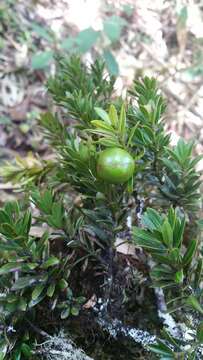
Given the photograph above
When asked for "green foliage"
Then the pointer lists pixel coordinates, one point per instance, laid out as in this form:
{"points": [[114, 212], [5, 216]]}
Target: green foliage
{"points": [[149, 113], [162, 236], [175, 270], [181, 181], [171, 170], [30, 274], [27, 170], [82, 215], [80, 90]]}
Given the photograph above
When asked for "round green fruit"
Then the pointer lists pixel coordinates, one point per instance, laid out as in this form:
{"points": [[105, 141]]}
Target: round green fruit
{"points": [[115, 166]]}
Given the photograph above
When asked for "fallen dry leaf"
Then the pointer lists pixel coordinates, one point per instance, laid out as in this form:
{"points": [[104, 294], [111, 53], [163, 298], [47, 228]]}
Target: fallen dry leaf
{"points": [[124, 248], [90, 303]]}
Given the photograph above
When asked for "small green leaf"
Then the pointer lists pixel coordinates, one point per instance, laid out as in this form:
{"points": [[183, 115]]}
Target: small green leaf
{"points": [[17, 354], [47, 201], [41, 59], [8, 230], [179, 276], [37, 291], [11, 307], [175, 256], [111, 63], [178, 232], [113, 116], [63, 284], [74, 311], [109, 142], [113, 27], [52, 261], [122, 120], [26, 350], [99, 124], [22, 304], [3, 349], [10, 267], [23, 282], [146, 240], [50, 290], [86, 39], [11, 297], [4, 217], [36, 301], [130, 185], [42, 32], [65, 313], [132, 133], [103, 115], [57, 215], [187, 258], [81, 299], [200, 332], [69, 44], [151, 219], [167, 233], [194, 303], [161, 349]]}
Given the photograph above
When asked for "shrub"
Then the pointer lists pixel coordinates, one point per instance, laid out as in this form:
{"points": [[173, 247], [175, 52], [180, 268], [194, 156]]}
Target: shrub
{"points": [[81, 215]]}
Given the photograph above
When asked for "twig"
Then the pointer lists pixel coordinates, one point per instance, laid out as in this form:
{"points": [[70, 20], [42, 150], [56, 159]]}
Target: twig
{"points": [[38, 330], [116, 328], [167, 90]]}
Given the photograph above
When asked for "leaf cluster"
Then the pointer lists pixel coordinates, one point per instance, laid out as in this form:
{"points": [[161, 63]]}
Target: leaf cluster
{"points": [[79, 89], [31, 272]]}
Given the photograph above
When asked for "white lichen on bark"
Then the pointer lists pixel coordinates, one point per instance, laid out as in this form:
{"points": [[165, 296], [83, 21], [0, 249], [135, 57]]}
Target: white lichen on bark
{"points": [[61, 347]]}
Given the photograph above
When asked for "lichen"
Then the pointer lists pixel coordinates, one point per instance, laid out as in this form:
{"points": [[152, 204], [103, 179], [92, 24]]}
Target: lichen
{"points": [[61, 347]]}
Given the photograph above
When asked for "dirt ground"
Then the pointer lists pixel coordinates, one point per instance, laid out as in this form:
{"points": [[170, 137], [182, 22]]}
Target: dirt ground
{"points": [[159, 38]]}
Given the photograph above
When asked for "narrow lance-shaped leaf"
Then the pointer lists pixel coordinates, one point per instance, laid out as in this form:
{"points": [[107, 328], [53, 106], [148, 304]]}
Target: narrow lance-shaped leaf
{"points": [[122, 121], [147, 240], [167, 233], [102, 125], [52, 261], [51, 289], [194, 303], [103, 115], [37, 291], [187, 259], [10, 267], [23, 282], [132, 133], [113, 116], [178, 233], [161, 349]]}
